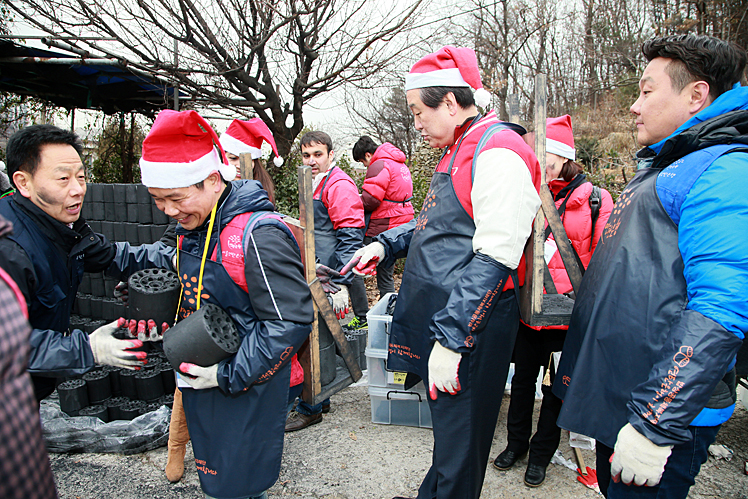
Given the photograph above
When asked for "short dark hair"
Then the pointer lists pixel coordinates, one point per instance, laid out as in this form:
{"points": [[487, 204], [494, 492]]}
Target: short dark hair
{"points": [[362, 146], [570, 170], [433, 96], [699, 58], [316, 137], [23, 152]]}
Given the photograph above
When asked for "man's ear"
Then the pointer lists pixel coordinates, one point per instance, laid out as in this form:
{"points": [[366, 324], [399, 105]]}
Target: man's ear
{"points": [[23, 182], [214, 181], [451, 103], [699, 96]]}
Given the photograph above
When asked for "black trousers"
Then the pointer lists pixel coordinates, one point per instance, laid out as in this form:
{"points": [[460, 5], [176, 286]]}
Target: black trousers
{"points": [[464, 424], [532, 350]]}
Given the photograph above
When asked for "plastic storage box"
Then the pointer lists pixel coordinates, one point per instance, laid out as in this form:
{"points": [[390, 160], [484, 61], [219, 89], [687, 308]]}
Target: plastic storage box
{"points": [[399, 407], [380, 377], [379, 324]]}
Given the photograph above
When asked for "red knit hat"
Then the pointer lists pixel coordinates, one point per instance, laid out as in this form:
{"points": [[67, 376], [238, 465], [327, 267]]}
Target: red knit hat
{"points": [[559, 138], [449, 67], [180, 150], [247, 136]]}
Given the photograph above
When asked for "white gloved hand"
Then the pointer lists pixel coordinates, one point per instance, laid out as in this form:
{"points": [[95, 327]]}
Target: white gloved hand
{"points": [[340, 302], [202, 377], [371, 255], [113, 352], [444, 364], [636, 459]]}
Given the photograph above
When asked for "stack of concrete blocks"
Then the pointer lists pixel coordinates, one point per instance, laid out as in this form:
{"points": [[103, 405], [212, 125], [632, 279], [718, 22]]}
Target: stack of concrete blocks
{"points": [[121, 212]]}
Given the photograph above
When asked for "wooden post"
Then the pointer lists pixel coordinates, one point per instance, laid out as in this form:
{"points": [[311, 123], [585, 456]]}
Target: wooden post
{"points": [[246, 166], [309, 352], [308, 355], [531, 294]]}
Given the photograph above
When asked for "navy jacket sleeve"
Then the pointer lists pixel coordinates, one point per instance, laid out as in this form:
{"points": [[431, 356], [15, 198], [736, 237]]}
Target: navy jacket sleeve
{"points": [[129, 259], [396, 242], [282, 303], [470, 303], [53, 354], [349, 239]]}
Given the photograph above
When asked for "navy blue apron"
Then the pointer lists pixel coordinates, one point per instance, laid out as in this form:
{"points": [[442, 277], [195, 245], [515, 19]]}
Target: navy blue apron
{"points": [[237, 439], [630, 321], [463, 424], [325, 239]]}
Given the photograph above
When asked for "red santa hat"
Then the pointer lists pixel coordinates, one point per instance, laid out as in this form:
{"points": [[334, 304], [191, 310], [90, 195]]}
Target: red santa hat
{"points": [[247, 136], [449, 67], [180, 150], [559, 139]]}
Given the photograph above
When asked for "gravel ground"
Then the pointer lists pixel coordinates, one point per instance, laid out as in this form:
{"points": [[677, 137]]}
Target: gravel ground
{"points": [[347, 457]]}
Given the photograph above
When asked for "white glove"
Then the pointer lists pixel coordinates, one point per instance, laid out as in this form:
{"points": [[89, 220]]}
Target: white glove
{"points": [[636, 459], [202, 377], [371, 255], [113, 352], [444, 365], [340, 302]]}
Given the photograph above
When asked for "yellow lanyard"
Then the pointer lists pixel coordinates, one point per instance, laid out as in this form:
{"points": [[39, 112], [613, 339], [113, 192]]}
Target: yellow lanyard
{"points": [[202, 261]]}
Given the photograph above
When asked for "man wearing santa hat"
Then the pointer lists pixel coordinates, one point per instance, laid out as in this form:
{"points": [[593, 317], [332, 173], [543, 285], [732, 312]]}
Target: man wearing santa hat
{"points": [[234, 252], [338, 233], [457, 312]]}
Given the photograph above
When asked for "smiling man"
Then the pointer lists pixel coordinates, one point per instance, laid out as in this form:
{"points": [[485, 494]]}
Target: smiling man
{"points": [[48, 251], [249, 264], [648, 363]]}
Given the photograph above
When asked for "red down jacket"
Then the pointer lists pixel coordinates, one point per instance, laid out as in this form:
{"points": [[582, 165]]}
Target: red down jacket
{"points": [[386, 188], [578, 224]]}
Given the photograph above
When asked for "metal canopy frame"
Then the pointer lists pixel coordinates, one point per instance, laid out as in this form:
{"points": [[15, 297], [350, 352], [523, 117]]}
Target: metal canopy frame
{"points": [[81, 81]]}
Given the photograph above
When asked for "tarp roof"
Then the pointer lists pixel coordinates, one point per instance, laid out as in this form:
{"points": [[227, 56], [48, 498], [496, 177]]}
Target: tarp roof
{"points": [[103, 84]]}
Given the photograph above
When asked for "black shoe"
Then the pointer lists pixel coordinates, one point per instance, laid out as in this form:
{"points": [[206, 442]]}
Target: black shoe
{"points": [[326, 408], [297, 421], [506, 459], [534, 475]]}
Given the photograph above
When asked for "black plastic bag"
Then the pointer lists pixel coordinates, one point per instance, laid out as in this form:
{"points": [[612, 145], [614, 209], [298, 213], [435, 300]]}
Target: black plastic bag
{"points": [[63, 433]]}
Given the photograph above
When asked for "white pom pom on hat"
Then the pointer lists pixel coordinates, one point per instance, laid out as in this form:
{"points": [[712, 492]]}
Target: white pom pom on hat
{"points": [[247, 136], [482, 98], [449, 67]]}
